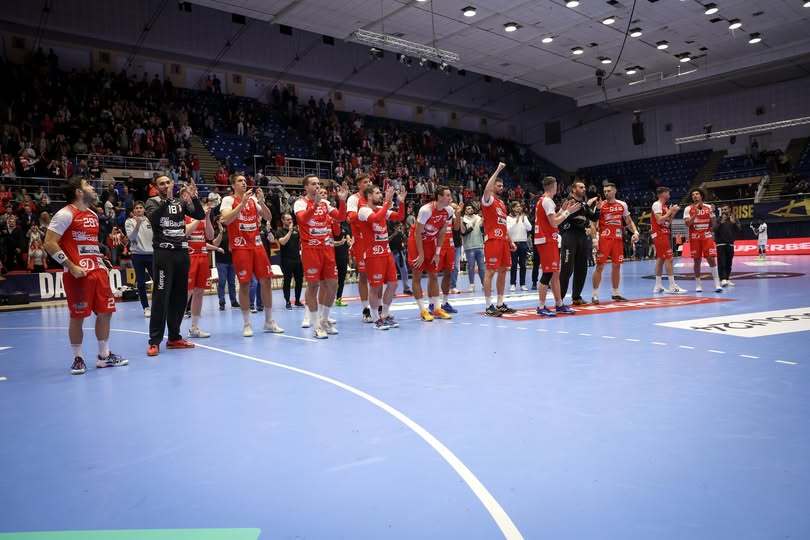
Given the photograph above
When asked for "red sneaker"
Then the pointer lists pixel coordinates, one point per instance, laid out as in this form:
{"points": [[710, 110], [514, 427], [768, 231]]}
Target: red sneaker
{"points": [[152, 350], [179, 344]]}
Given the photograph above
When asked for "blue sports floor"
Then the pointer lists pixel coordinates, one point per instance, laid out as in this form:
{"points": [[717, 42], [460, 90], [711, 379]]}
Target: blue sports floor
{"points": [[598, 426]]}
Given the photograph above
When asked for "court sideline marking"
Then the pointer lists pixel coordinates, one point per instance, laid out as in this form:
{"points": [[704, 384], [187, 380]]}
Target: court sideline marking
{"points": [[496, 511]]}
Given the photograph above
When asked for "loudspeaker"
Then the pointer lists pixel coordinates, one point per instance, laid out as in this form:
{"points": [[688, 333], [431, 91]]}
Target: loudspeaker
{"points": [[553, 133], [638, 133]]}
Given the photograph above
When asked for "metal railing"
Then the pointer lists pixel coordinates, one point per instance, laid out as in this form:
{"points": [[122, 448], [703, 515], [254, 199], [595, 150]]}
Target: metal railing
{"points": [[298, 168], [122, 162]]}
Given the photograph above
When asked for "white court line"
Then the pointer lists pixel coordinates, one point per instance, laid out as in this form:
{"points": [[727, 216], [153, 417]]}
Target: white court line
{"points": [[499, 515], [482, 324], [717, 352], [520, 328], [562, 331], [466, 323], [686, 347], [631, 339], [542, 330], [584, 334], [786, 362], [501, 326], [658, 343], [749, 356], [609, 337], [3, 379], [4, 348]]}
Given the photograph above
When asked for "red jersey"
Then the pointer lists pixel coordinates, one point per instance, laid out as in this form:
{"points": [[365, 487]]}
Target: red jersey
{"points": [[544, 231], [196, 239], [243, 232], [315, 222], [353, 205], [375, 225], [494, 213], [611, 219], [448, 236], [433, 220], [701, 226], [659, 229], [79, 236]]}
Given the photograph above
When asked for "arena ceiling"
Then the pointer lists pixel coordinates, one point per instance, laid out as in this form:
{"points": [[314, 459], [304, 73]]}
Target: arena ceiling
{"points": [[523, 57]]}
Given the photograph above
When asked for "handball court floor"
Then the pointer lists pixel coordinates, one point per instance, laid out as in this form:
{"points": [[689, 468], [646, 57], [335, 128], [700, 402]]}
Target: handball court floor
{"points": [[600, 425]]}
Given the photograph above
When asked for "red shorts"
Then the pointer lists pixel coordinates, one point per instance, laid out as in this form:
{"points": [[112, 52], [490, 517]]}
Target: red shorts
{"points": [[549, 256], [319, 264], [358, 252], [702, 247], [429, 249], [663, 247], [447, 259], [497, 254], [198, 272], [251, 262], [381, 270], [90, 294], [610, 249]]}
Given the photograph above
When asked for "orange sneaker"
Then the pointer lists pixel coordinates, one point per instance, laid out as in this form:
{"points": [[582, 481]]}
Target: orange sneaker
{"points": [[179, 344], [153, 350], [439, 313]]}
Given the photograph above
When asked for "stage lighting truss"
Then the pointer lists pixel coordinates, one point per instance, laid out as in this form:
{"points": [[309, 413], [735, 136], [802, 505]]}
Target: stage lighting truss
{"points": [[758, 128], [403, 46]]}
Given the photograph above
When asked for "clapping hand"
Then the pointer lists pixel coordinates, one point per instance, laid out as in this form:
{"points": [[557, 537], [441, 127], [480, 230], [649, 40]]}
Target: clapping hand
{"points": [[343, 191], [260, 196]]}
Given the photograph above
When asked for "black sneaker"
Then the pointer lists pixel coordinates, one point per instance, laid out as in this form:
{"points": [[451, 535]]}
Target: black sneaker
{"points": [[618, 298], [78, 367], [367, 315], [222, 306], [112, 360], [298, 304], [188, 314], [492, 311], [503, 308], [288, 305], [235, 305], [579, 302], [259, 308]]}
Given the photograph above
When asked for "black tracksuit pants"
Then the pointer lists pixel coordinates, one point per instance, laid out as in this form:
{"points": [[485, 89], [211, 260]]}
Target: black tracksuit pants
{"points": [[169, 292], [573, 260], [725, 258], [342, 263], [292, 269]]}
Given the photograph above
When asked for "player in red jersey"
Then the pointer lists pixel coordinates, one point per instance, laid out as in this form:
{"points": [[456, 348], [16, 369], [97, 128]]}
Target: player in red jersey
{"points": [[546, 220], [661, 223], [613, 216], [498, 247], [199, 232], [380, 267], [699, 218], [242, 214], [448, 260], [72, 240], [353, 204], [424, 250], [314, 216]]}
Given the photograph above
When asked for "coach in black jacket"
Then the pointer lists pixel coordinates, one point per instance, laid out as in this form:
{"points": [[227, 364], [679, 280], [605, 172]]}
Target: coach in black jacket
{"points": [[575, 246], [171, 262]]}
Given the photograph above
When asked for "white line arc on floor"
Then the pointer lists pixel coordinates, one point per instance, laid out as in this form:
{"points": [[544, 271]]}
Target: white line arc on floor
{"points": [[499, 515]]}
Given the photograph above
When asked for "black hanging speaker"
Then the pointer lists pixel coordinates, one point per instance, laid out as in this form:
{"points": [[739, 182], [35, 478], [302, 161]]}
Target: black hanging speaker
{"points": [[638, 133]]}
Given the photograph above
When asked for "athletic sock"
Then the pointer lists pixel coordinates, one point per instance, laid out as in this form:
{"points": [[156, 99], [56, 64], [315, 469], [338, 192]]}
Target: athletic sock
{"points": [[671, 281], [313, 318], [715, 276], [245, 316], [658, 284], [615, 292], [386, 310], [421, 303], [103, 348], [366, 305], [435, 301], [488, 301], [500, 299], [325, 313], [195, 319], [595, 295], [76, 348], [444, 299]]}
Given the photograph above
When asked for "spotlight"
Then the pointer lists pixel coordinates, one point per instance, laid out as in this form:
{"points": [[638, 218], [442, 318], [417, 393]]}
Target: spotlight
{"points": [[807, 4], [577, 50], [661, 45], [444, 66], [469, 11], [635, 32], [605, 60], [733, 24], [711, 8], [423, 62], [755, 38], [404, 60], [630, 71], [609, 20], [572, 3], [548, 39], [685, 58], [510, 27], [376, 53]]}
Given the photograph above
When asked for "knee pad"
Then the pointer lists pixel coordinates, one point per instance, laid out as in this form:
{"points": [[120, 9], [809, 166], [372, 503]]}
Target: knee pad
{"points": [[545, 279]]}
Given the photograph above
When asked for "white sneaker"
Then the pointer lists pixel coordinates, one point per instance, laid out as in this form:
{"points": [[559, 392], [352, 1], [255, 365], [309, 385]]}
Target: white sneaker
{"points": [[319, 333], [197, 333], [273, 327], [330, 328], [253, 309], [718, 288], [675, 289], [724, 283], [658, 289], [698, 287], [454, 291], [332, 321], [511, 288], [247, 331], [524, 288], [147, 312], [471, 289], [305, 323], [729, 283]]}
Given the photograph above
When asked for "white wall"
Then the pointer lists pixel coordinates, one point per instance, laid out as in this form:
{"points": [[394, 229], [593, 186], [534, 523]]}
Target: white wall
{"points": [[610, 139]]}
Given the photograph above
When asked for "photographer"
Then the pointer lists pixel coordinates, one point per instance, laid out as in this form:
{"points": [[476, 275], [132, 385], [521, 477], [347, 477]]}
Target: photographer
{"points": [[726, 231], [576, 247]]}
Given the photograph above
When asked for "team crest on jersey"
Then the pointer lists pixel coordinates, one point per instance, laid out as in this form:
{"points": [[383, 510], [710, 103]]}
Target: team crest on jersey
{"points": [[378, 276], [312, 271]]}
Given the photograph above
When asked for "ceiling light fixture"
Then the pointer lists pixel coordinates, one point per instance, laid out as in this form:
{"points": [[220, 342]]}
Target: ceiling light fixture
{"points": [[577, 50], [609, 20], [548, 39], [755, 38], [631, 71], [661, 45], [636, 32], [733, 24], [605, 60], [469, 11], [572, 3], [510, 27], [711, 8], [807, 4], [685, 58]]}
